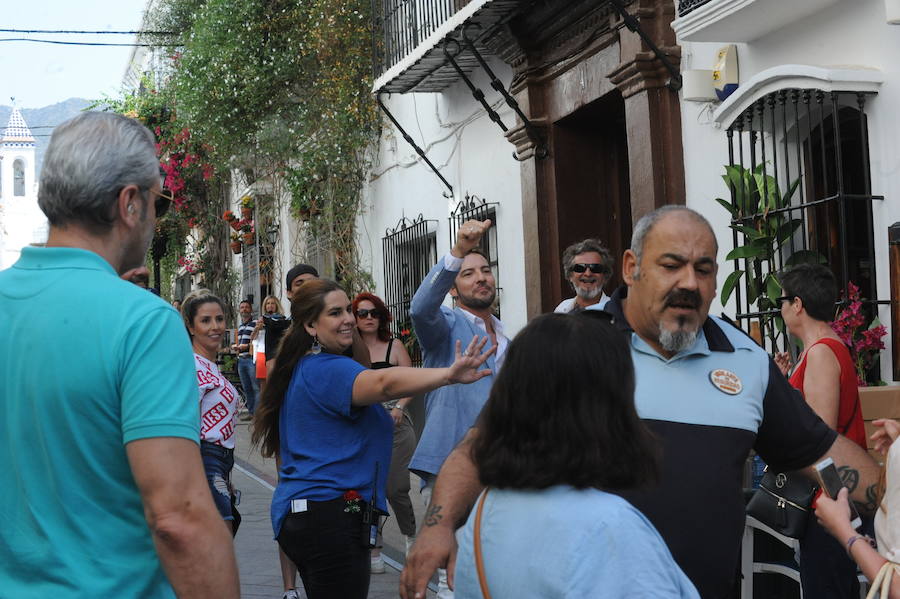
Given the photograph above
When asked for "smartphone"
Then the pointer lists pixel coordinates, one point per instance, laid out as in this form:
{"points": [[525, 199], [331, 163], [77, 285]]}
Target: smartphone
{"points": [[831, 484]]}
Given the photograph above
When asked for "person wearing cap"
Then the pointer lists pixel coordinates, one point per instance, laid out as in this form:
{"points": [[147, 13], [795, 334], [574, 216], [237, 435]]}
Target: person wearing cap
{"points": [[587, 265]]}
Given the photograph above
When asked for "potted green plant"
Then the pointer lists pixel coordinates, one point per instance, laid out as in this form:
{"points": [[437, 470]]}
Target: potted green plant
{"points": [[247, 206], [247, 232], [757, 215]]}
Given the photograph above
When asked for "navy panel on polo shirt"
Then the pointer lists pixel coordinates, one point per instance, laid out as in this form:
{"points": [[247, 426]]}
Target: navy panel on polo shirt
{"points": [[706, 425]]}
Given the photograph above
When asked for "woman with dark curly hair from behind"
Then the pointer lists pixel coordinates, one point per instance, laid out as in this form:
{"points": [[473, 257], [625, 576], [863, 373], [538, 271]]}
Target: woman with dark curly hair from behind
{"points": [[559, 437]]}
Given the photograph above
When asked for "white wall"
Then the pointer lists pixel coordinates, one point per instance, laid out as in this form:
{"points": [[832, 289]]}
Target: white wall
{"points": [[472, 154], [849, 35]]}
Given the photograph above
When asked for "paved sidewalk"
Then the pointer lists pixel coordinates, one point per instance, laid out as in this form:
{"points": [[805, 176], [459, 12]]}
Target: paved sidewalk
{"points": [[257, 552]]}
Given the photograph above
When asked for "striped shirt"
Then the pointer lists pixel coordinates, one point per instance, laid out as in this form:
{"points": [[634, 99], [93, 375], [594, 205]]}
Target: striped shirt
{"points": [[244, 332]]}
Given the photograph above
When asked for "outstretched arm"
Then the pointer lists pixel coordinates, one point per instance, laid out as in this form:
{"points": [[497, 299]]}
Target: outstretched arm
{"points": [[455, 491], [858, 471], [376, 386]]}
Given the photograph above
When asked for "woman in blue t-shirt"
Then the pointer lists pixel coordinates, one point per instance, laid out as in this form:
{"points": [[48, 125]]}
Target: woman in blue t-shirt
{"points": [[319, 412], [558, 437]]}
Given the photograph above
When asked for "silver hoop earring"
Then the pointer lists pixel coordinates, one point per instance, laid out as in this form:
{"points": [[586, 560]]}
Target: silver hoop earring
{"points": [[316, 347]]}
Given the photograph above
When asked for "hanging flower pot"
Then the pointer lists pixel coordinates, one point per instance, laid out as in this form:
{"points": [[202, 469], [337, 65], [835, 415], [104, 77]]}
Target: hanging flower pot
{"points": [[246, 212], [236, 247], [235, 224], [248, 238]]}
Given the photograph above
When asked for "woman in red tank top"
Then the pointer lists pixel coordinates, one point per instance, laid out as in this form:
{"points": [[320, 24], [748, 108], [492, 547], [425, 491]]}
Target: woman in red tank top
{"points": [[826, 376]]}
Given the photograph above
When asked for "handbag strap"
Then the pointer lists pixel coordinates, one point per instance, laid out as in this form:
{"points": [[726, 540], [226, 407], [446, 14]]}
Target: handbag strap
{"points": [[881, 586], [479, 562]]}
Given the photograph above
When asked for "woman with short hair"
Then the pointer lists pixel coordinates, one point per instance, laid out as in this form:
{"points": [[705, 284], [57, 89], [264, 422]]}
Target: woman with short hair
{"points": [[558, 437], [826, 375]]}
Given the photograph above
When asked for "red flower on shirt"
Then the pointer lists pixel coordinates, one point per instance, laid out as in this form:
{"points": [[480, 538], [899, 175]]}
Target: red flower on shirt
{"points": [[353, 499]]}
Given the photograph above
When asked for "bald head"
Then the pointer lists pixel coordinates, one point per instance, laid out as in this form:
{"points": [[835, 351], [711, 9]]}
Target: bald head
{"points": [[646, 223]]}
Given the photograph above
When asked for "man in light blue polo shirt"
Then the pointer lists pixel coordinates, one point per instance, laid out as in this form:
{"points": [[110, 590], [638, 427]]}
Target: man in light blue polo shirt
{"points": [[706, 391], [102, 489]]}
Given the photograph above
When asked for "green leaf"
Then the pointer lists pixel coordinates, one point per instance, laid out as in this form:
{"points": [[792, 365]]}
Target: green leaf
{"points": [[786, 198], [750, 232], [787, 230], [805, 257], [731, 208], [751, 250], [728, 287], [752, 291], [773, 287]]}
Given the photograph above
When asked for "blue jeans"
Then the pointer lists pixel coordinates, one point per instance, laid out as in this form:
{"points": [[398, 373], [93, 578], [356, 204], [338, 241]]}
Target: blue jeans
{"points": [[247, 372], [218, 462]]}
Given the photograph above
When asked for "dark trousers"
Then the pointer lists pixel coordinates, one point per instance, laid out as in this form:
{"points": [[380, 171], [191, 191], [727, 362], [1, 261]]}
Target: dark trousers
{"points": [[326, 545], [826, 572]]}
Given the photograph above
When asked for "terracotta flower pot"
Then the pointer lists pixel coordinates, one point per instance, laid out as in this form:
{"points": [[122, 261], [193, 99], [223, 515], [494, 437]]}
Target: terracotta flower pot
{"points": [[234, 225], [246, 212], [236, 247], [248, 238]]}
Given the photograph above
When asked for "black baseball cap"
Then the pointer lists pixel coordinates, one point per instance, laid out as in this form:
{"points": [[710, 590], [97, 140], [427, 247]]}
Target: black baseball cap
{"points": [[300, 269]]}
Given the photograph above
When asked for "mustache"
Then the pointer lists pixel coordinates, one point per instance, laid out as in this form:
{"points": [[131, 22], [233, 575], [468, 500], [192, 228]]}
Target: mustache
{"points": [[683, 298]]}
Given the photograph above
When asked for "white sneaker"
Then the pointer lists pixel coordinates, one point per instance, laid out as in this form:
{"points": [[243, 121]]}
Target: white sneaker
{"points": [[410, 541], [291, 594], [377, 565]]}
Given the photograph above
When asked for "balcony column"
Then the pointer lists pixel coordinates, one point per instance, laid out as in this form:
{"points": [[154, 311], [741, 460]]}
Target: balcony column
{"points": [[653, 114]]}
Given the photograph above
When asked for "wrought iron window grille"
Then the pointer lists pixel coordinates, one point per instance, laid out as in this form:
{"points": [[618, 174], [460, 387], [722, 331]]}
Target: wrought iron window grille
{"points": [[814, 143], [686, 6], [409, 252], [472, 207]]}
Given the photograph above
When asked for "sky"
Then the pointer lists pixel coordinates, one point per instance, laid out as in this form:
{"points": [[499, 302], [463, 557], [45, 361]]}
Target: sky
{"points": [[39, 74]]}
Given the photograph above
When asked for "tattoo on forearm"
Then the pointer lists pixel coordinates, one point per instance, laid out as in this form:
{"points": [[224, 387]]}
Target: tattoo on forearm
{"points": [[871, 503], [433, 515], [849, 476]]}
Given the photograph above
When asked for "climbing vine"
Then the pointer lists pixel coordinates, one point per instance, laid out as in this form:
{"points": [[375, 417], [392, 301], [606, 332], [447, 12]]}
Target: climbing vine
{"points": [[279, 89]]}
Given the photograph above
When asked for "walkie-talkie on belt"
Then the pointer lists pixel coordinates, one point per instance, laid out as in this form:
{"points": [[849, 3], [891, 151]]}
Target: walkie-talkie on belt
{"points": [[371, 516]]}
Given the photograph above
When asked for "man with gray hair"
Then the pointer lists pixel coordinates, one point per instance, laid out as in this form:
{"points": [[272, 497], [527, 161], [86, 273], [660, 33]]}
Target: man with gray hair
{"points": [[587, 266], [103, 487], [707, 392]]}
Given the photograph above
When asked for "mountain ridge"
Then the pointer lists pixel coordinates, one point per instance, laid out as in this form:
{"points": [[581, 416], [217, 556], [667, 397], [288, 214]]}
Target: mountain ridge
{"points": [[42, 120]]}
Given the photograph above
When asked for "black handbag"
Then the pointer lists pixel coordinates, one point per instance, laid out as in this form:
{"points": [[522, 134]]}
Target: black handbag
{"points": [[783, 502]]}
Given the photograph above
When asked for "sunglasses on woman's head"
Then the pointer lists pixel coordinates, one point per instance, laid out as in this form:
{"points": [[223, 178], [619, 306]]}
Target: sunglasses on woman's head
{"points": [[598, 269], [364, 313]]}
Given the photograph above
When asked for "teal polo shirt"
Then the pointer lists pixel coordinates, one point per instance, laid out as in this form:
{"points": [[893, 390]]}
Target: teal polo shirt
{"points": [[90, 363]]}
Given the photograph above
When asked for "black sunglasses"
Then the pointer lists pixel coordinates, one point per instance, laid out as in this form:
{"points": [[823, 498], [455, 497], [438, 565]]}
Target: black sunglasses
{"points": [[597, 269], [364, 313], [784, 298]]}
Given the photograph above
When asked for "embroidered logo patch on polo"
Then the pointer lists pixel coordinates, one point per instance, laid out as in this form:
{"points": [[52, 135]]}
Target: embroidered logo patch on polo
{"points": [[726, 381]]}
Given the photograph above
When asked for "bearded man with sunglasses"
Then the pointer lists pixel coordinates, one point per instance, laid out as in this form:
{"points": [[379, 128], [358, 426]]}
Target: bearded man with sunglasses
{"points": [[587, 266], [103, 484]]}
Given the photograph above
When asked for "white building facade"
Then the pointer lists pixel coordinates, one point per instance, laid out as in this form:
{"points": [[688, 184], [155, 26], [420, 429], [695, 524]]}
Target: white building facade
{"points": [[611, 136], [21, 221]]}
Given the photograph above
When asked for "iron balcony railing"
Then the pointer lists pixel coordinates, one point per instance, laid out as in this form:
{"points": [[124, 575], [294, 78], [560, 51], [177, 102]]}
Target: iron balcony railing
{"points": [[401, 25], [686, 6]]}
